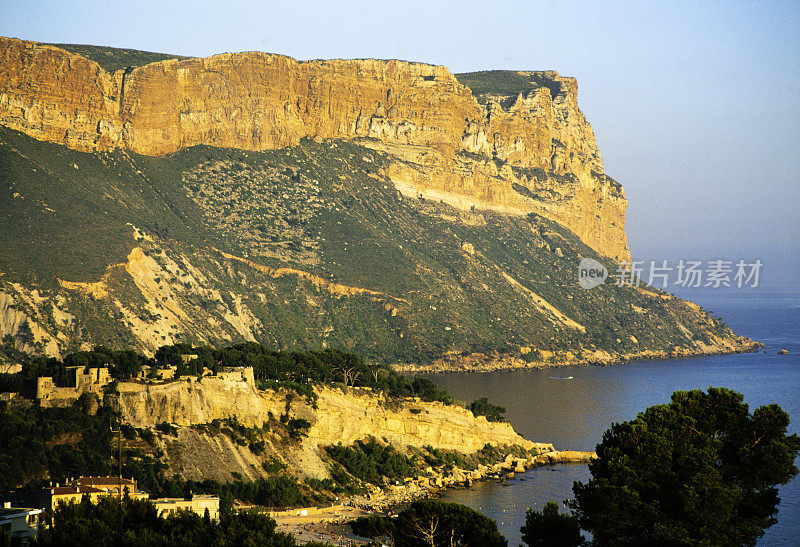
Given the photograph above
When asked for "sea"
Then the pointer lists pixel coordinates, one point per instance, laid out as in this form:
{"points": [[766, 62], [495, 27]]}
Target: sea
{"points": [[571, 407]]}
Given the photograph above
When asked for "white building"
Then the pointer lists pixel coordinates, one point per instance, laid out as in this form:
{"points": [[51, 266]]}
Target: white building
{"points": [[19, 522]]}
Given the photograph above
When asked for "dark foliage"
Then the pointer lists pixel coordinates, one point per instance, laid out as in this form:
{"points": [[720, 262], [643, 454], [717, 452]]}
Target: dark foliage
{"points": [[482, 407], [297, 370], [122, 365], [297, 427], [433, 522], [136, 522], [428, 391], [52, 443], [294, 370], [373, 526], [112, 58], [167, 429], [549, 527], [278, 492], [370, 461], [701, 470], [11, 382], [507, 82]]}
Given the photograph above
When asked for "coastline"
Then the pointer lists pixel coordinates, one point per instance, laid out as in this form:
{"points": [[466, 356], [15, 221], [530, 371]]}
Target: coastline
{"points": [[481, 362], [325, 523]]}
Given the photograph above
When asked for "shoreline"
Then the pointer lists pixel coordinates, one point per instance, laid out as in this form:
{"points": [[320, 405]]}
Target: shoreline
{"points": [[479, 362], [327, 523]]}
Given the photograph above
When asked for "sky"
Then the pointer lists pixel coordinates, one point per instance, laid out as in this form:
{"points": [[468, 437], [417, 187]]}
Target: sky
{"points": [[695, 105]]}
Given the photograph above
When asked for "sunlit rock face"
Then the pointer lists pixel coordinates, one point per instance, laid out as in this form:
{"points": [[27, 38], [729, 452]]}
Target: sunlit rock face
{"points": [[535, 153]]}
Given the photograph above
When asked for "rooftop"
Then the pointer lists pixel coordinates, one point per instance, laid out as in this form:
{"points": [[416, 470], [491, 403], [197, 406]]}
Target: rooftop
{"points": [[9, 512], [102, 481], [194, 497], [69, 490]]}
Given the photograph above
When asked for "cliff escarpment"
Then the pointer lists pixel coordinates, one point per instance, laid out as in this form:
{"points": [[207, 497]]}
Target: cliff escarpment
{"points": [[336, 416], [530, 151], [340, 415]]}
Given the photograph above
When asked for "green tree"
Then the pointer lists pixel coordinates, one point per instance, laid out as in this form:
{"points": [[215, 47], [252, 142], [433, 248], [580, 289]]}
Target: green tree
{"points": [[549, 527], [110, 522], [437, 523], [482, 407], [701, 469], [429, 391]]}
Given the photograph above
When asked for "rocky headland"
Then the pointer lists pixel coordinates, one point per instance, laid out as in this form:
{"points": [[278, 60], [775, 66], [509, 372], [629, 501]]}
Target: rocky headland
{"points": [[336, 415], [536, 153], [389, 208]]}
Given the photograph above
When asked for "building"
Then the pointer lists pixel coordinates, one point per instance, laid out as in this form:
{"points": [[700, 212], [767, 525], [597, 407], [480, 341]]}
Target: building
{"points": [[114, 485], [7, 396], [196, 503], [86, 380], [238, 374], [93, 487], [20, 523], [167, 373]]}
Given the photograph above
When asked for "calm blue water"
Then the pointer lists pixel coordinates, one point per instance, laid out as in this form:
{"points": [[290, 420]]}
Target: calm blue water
{"points": [[573, 414]]}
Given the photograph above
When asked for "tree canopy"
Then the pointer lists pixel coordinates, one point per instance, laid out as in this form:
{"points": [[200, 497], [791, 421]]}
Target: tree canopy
{"points": [[482, 407], [551, 528], [136, 522], [433, 523], [701, 469]]}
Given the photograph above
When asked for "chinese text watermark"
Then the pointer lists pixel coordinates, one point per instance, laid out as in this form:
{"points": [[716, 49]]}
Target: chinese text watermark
{"points": [[684, 273]]}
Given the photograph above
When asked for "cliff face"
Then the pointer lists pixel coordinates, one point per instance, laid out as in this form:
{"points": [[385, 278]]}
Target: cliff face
{"points": [[338, 417], [537, 154]]}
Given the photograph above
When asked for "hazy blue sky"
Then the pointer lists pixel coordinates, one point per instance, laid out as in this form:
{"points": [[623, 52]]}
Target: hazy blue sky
{"points": [[695, 105]]}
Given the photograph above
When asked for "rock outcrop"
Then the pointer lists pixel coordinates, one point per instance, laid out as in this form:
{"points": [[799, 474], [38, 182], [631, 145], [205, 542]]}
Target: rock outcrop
{"points": [[338, 416], [535, 155]]}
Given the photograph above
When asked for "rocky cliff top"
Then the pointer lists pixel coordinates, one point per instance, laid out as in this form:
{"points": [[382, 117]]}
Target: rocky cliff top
{"points": [[337, 416], [533, 152]]}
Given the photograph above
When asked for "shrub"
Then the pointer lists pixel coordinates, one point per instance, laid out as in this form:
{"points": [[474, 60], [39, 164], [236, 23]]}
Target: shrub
{"points": [[482, 407], [371, 461]]}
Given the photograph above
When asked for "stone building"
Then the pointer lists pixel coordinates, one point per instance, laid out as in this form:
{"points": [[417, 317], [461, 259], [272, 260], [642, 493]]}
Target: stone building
{"points": [[238, 374], [86, 380], [197, 503], [93, 487]]}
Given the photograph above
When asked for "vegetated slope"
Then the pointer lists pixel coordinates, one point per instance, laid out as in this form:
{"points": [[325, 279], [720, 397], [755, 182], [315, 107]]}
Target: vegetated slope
{"points": [[304, 247], [113, 58], [211, 421], [506, 84]]}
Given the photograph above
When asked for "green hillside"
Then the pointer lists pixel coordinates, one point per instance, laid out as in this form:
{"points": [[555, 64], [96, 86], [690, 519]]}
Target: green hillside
{"points": [[506, 83], [112, 58], [443, 280]]}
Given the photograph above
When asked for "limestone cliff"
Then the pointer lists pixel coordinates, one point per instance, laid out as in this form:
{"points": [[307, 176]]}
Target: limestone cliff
{"points": [[338, 416], [537, 154]]}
